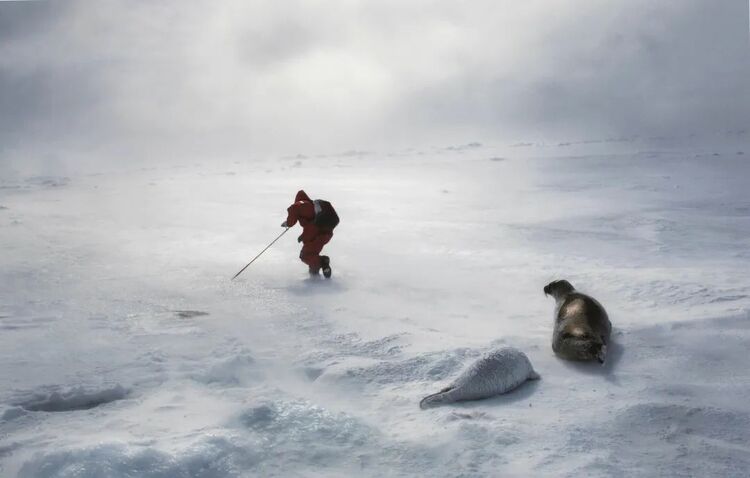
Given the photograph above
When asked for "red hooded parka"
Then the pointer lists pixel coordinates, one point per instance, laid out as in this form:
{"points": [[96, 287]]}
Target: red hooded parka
{"points": [[313, 238]]}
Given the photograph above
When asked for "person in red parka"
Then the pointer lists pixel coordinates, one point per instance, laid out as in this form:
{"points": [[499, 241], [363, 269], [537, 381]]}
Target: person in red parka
{"points": [[318, 219]]}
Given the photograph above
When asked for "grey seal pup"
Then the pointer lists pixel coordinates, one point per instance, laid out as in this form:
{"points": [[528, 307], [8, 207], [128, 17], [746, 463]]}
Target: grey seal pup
{"points": [[582, 327], [497, 372]]}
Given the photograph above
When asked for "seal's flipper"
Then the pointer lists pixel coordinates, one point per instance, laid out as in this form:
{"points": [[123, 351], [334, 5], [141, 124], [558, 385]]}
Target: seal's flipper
{"points": [[435, 398]]}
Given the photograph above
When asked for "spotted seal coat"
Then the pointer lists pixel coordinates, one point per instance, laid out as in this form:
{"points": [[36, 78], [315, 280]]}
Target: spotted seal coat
{"points": [[497, 372]]}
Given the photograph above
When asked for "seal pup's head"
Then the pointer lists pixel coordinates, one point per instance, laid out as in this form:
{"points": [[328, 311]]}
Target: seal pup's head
{"points": [[577, 343], [558, 289]]}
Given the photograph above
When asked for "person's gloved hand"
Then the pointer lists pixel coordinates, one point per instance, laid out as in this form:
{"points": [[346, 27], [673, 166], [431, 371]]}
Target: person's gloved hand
{"points": [[283, 224], [299, 239]]}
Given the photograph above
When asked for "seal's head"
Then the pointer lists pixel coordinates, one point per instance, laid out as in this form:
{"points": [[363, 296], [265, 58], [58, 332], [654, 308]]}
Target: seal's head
{"points": [[579, 344], [558, 288]]}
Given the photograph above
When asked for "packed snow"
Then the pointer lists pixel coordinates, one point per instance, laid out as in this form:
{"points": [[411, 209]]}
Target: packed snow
{"points": [[126, 351]]}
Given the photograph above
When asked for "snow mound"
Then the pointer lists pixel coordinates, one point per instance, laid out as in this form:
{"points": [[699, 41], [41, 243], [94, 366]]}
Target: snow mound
{"points": [[428, 367], [48, 181], [344, 445], [12, 413], [212, 457], [23, 323], [352, 344], [302, 423], [269, 438], [73, 400], [658, 439], [238, 370]]}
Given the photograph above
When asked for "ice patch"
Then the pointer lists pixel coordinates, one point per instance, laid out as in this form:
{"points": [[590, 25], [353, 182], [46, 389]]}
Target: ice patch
{"points": [[73, 400]]}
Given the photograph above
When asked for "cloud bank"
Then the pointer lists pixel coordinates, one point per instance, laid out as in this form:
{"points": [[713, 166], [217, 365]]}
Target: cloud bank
{"points": [[139, 78]]}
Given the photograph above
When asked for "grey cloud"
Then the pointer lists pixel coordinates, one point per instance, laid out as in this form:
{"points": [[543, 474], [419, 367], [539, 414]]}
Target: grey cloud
{"points": [[23, 19], [644, 69], [221, 77]]}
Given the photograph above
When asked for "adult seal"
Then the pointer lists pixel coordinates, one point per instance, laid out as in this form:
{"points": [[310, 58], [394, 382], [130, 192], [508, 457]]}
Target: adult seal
{"points": [[495, 373], [582, 327]]}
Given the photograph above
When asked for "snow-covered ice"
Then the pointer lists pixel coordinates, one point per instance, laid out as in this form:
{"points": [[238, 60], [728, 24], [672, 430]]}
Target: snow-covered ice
{"points": [[125, 350]]}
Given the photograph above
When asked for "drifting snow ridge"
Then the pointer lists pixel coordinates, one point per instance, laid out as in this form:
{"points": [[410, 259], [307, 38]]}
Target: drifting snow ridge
{"points": [[76, 399]]}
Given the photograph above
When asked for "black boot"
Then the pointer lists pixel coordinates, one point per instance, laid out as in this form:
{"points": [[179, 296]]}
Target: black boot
{"points": [[325, 265]]}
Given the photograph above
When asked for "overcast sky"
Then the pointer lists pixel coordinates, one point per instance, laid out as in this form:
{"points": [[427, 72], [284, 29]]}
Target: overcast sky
{"points": [[221, 77]]}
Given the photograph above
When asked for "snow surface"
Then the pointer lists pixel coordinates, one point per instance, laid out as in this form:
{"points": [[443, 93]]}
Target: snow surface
{"points": [[126, 351]]}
